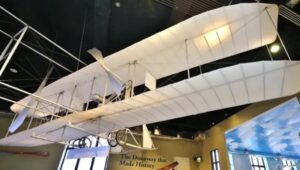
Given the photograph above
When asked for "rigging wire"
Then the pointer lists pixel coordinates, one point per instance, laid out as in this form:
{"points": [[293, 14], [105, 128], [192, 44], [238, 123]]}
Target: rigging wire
{"points": [[81, 43]]}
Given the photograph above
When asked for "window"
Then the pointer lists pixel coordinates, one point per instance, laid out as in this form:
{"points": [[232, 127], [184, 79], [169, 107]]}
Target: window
{"points": [[289, 164], [258, 163], [84, 163], [230, 156], [215, 159]]}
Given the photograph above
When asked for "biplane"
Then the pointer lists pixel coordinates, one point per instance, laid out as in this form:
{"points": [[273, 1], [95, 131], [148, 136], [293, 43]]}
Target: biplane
{"points": [[63, 106]]}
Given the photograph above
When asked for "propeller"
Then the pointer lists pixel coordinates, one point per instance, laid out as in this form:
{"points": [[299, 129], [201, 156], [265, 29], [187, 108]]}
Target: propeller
{"points": [[24, 113], [114, 79], [5, 152], [169, 166]]}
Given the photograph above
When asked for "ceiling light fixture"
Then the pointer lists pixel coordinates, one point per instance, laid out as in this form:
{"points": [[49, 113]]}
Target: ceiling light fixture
{"points": [[198, 159], [118, 4], [13, 70], [275, 48], [156, 131]]}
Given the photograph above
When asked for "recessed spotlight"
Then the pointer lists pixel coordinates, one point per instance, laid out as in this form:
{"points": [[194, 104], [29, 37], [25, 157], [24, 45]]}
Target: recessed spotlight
{"points": [[118, 4], [213, 123], [198, 159], [156, 131], [275, 48], [13, 70]]}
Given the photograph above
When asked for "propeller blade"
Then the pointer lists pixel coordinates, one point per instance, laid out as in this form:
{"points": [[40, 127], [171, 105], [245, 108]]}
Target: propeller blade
{"points": [[19, 120], [6, 152], [97, 54], [115, 80], [169, 166], [25, 112], [115, 84]]}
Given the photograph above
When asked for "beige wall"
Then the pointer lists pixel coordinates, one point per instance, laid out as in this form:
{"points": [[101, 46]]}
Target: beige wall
{"points": [[15, 162], [216, 139], [167, 149]]}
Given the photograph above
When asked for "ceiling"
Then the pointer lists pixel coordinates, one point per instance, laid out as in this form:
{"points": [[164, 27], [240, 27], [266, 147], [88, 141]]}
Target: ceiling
{"points": [[111, 25]]}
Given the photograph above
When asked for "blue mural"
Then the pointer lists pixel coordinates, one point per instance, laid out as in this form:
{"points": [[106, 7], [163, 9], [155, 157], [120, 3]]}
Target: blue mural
{"points": [[274, 133]]}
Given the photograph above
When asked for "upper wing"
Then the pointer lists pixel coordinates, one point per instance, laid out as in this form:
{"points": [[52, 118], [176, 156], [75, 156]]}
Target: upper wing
{"points": [[223, 88], [204, 38]]}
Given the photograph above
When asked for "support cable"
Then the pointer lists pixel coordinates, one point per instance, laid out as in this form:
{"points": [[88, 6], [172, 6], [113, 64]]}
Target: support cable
{"points": [[42, 35], [280, 39]]}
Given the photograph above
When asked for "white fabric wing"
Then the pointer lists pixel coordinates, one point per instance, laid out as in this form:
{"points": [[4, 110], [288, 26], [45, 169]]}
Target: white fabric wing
{"points": [[206, 37]]}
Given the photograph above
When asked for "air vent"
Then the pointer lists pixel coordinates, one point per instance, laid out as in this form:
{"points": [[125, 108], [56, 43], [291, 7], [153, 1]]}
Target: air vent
{"points": [[191, 7], [289, 15]]}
